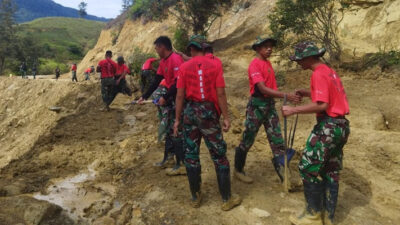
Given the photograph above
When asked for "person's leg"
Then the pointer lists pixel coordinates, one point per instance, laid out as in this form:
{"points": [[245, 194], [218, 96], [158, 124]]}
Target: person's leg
{"points": [[192, 139], [338, 133], [211, 131], [143, 81], [275, 139], [310, 167], [252, 125]]}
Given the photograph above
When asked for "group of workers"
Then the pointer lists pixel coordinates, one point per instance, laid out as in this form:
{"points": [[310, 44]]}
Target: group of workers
{"points": [[190, 95], [23, 69]]}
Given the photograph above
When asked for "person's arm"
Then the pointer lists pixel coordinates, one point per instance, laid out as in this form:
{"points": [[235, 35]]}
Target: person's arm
{"points": [[314, 107], [304, 93], [277, 94], [180, 96], [157, 80], [223, 105], [184, 56]]}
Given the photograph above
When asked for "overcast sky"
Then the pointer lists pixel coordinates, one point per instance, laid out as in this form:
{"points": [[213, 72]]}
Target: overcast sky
{"points": [[101, 8]]}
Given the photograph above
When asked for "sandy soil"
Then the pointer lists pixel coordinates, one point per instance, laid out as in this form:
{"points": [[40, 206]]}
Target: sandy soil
{"points": [[102, 162]]}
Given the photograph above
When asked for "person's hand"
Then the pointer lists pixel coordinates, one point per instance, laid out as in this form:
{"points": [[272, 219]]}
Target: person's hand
{"points": [[162, 101], [303, 93], [176, 128], [140, 101], [226, 125], [287, 110], [295, 98]]}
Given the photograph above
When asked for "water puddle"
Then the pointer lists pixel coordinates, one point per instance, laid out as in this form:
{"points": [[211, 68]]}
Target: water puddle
{"points": [[79, 196]]}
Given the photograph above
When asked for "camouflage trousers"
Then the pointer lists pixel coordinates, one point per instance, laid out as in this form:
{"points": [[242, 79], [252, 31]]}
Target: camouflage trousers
{"points": [[202, 120], [162, 113], [261, 111], [108, 90], [322, 157]]}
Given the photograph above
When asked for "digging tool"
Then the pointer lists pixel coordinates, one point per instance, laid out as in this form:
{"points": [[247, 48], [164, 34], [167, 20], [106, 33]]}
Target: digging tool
{"points": [[144, 102], [286, 178]]}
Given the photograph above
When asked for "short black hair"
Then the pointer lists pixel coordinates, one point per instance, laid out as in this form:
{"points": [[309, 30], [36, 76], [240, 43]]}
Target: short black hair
{"points": [[165, 41], [109, 53]]}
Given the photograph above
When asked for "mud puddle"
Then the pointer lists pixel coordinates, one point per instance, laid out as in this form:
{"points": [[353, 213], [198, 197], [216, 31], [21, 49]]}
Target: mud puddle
{"points": [[80, 196]]}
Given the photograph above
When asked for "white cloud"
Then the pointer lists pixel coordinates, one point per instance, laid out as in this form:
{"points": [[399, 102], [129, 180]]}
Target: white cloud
{"points": [[102, 8]]}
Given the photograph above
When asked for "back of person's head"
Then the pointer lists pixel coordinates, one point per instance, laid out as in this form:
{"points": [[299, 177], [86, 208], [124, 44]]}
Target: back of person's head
{"points": [[109, 53], [164, 41], [120, 60]]}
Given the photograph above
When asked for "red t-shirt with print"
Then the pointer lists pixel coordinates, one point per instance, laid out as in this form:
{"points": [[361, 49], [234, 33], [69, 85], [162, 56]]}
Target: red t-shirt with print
{"points": [[327, 87], [169, 68], [201, 77], [261, 71], [121, 69], [108, 68], [148, 65], [88, 70], [73, 68]]}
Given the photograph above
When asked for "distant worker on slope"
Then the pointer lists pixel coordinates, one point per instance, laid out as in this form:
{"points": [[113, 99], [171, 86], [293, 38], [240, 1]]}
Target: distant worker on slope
{"points": [[34, 70], [120, 77], [73, 70], [148, 74], [58, 72], [322, 157], [22, 69], [88, 71], [201, 86], [108, 68], [261, 110], [168, 70]]}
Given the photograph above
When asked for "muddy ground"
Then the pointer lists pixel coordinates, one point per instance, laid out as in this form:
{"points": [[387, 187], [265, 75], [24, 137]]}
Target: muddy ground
{"points": [[97, 167]]}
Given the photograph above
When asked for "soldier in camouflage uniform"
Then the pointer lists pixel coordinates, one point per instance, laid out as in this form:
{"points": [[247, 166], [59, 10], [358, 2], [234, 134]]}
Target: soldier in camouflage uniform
{"points": [[322, 157], [261, 109], [164, 126], [201, 84]]}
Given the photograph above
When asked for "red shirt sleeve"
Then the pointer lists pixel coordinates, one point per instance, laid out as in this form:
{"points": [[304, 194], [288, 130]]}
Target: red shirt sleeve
{"points": [[319, 88], [220, 81], [127, 70], [181, 79], [160, 70], [255, 74]]}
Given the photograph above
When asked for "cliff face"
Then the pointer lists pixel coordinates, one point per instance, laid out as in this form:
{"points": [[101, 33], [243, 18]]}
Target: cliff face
{"points": [[367, 26]]}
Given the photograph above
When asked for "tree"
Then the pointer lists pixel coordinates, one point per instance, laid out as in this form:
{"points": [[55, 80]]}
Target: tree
{"points": [[199, 15], [7, 31], [82, 9], [126, 4], [317, 20]]}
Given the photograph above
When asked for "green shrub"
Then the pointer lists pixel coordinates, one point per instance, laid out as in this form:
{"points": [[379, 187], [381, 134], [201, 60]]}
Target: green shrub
{"points": [[181, 39], [385, 60], [48, 66], [280, 78], [151, 9]]}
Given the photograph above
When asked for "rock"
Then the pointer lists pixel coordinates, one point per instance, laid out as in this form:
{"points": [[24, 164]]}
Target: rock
{"points": [[27, 210], [237, 130], [55, 109], [260, 213], [105, 220]]}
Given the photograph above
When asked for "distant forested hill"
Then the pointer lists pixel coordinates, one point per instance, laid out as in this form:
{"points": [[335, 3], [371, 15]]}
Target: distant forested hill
{"points": [[29, 10]]}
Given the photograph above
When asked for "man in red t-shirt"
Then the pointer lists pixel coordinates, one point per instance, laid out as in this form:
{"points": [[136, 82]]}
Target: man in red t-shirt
{"points": [[87, 73], [261, 110], [120, 77], [148, 73], [168, 70], [322, 157], [201, 84], [108, 68], [73, 70]]}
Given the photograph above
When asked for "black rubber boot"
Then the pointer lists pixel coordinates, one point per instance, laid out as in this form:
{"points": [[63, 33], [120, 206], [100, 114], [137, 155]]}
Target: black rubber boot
{"points": [[224, 183], [168, 152], [179, 151], [314, 195], [194, 177], [278, 168], [240, 159], [330, 199]]}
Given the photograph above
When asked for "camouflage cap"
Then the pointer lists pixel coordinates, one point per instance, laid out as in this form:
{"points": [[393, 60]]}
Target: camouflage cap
{"points": [[306, 49], [197, 40], [260, 40]]}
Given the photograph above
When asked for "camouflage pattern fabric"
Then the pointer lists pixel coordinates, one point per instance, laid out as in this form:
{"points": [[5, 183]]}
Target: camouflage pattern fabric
{"points": [[306, 49], [74, 78], [261, 111], [202, 120], [323, 155], [108, 92], [162, 113]]}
